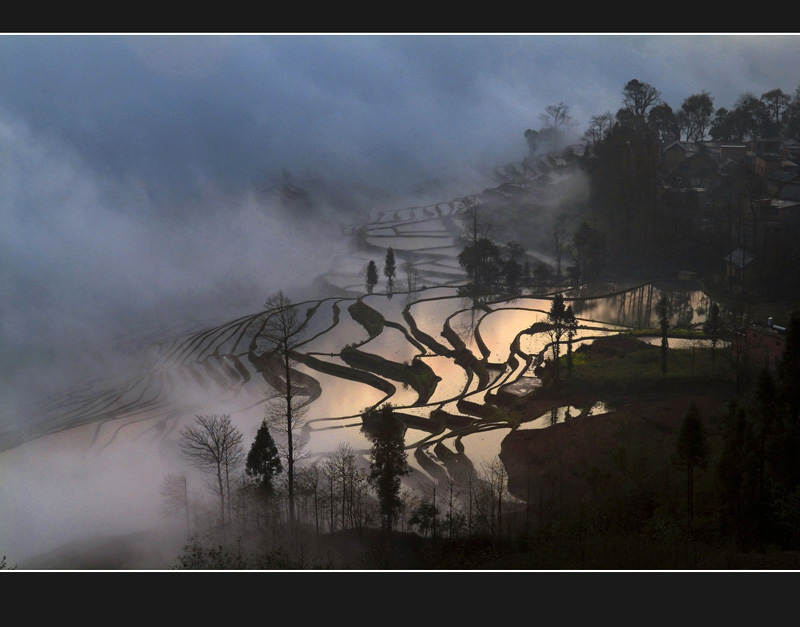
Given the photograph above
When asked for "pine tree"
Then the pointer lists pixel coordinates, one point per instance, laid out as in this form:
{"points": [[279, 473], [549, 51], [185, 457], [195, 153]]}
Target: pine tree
{"points": [[263, 461], [387, 459], [389, 270], [557, 318], [692, 451], [372, 276]]}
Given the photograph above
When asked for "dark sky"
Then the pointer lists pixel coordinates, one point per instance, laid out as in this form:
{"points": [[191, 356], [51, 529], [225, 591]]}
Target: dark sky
{"points": [[134, 166]]}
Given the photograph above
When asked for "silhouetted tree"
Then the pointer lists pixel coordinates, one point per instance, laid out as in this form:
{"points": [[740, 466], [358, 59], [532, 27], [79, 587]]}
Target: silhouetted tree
{"points": [[766, 428], [776, 104], [599, 127], [512, 275], [663, 121], [557, 319], [346, 487], [695, 116], [482, 262], [372, 276], [692, 451], [712, 327], [263, 460], [789, 368], [559, 238], [638, 98], [571, 324], [588, 248], [542, 272], [664, 311], [175, 497], [387, 459], [733, 470], [389, 269], [412, 275], [282, 332], [424, 516], [214, 445], [753, 115], [470, 212]]}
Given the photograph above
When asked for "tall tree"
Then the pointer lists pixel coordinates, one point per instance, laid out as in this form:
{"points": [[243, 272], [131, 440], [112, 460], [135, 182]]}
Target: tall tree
{"points": [[482, 263], [789, 368], [663, 121], [470, 213], [788, 391], [692, 451], [599, 127], [638, 98], [712, 327], [214, 445], [263, 460], [571, 324], [556, 121], [664, 312], [695, 114], [766, 428], [175, 497], [588, 248], [412, 275], [371, 276], [792, 117], [733, 466], [389, 269], [388, 460], [559, 237], [753, 115], [346, 483], [557, 319], [776, 103], [286, 408], [556, 116]]}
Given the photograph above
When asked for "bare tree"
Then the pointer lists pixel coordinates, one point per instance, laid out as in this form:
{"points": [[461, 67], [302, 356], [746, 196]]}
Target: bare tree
{"points": [[475, 230], [214, 445], [599, 128], [175, 497], [347, 481], [556, 116], [287, 405], [495, 481], [638, 98], [412, 275], [559, 239]]}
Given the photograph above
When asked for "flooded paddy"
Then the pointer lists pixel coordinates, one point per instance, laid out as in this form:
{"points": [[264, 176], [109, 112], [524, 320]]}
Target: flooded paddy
{"points": [[212, 369]]}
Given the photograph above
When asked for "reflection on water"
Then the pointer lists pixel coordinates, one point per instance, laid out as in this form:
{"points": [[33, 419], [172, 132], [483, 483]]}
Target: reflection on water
{"points": [[483, 447], [499, 329], [562, 414], [681, 342], [215, 361], [636, 307]]}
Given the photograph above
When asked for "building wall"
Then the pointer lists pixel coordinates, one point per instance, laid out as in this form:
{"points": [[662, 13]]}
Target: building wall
{"points": [[765, 346]]}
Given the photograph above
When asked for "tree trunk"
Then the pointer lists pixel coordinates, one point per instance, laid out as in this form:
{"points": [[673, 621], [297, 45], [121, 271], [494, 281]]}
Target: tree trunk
{"points": [[290, 444]]}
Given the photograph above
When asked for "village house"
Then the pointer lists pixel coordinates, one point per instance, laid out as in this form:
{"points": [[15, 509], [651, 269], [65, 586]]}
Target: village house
{"points": [[765, 344], [767, 163]]}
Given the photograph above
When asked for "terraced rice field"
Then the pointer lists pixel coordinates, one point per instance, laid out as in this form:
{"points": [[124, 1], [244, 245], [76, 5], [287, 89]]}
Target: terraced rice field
{"points": [[429, 352]]}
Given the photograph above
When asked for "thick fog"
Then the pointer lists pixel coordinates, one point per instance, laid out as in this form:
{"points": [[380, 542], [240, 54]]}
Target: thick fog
{"points": [[140, 180]]}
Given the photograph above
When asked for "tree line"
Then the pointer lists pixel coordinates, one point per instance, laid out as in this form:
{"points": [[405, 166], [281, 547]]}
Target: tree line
{"points": [[649, 225], [272, 491]]}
